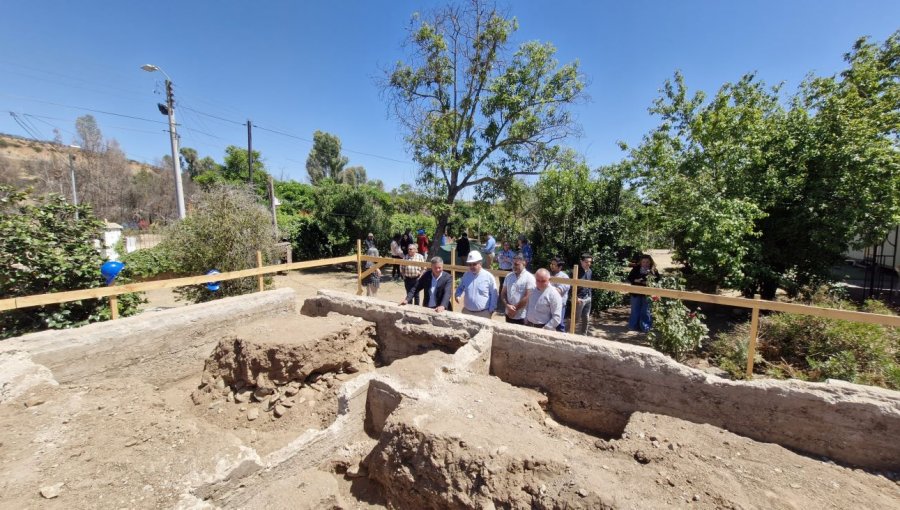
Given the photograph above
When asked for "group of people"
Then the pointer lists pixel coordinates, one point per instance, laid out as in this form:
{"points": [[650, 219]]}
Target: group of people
{"points": [[523, 297]]}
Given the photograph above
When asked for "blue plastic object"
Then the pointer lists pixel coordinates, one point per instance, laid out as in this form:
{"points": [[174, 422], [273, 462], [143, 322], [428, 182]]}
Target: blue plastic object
{"points": [[213, 286], [110, 269]]}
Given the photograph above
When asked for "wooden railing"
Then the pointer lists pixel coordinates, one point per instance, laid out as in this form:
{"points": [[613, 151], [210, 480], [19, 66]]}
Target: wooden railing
{"points": [[755, 305], [116, 290]]}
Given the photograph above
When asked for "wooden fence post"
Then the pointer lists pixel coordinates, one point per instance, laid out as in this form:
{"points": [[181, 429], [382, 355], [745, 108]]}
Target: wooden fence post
{"points": [[751, 345], [452, 275], [574, 291], [261, 278], [114, 307], [359, 289]]}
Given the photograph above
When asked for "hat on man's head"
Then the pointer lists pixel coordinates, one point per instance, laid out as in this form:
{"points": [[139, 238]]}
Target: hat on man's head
{"points": [[474, 256]]}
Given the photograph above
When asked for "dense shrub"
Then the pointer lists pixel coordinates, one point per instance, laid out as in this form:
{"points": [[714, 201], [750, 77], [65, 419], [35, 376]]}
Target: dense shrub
{"points": [[677, 330], [816, 348], [149, 263], [44, 249], [224, 231]]}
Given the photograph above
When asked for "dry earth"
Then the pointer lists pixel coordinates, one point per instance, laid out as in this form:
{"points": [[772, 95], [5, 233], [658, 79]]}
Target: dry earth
{"points": [[147, 436]]}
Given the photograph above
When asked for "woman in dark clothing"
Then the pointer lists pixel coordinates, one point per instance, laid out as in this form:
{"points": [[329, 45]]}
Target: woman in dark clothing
{"points": [[405, 241], [640, 304], [462, 248]]}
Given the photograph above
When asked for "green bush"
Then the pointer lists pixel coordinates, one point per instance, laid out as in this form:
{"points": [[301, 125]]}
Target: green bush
{"points": [[308, 240], [816, 348], [401, 222], [676, 329], [149, 263], [44, 249], [226, 228]]}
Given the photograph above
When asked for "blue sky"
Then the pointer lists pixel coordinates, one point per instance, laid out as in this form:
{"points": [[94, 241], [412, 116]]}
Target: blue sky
{"points": [[296, 67]]}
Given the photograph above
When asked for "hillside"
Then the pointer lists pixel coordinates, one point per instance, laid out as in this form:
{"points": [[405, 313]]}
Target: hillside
{"points": [[20, 157]]}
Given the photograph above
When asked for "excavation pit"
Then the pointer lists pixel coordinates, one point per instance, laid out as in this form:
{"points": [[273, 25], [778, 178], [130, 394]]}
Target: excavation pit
{"points": [[445, 411]]}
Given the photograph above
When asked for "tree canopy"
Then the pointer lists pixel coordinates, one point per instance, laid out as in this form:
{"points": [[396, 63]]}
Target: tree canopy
{"points": [[759, 191], [475, 112]]}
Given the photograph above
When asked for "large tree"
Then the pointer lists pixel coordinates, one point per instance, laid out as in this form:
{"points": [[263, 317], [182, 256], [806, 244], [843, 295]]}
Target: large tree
{"points": [[476, 113], [759, 192], [325, 160]]}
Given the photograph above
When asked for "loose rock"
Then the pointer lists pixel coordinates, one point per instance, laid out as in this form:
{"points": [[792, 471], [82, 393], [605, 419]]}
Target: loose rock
{"points": [[252, 414], [280, 410], [51, 491]]}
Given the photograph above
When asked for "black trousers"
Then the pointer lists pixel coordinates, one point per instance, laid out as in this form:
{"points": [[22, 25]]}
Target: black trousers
{"points": [[395, 272], [514, 321], [409, 283]]}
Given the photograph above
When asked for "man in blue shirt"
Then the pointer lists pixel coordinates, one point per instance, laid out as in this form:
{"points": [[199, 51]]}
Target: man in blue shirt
{"points": [[489, 246], [480, 288], [526, 251]]}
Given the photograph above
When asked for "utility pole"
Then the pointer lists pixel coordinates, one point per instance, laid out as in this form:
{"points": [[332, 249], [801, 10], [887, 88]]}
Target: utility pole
{"points": [[169, 109], [176, 162], [249, 152], [74, 192]]}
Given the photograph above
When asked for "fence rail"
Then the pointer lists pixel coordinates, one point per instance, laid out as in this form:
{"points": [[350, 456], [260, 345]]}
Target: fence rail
{"points": [[116, 290], [755, 305]]}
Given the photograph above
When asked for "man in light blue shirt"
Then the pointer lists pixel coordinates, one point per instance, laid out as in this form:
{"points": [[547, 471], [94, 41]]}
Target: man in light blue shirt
{"points": [[489, 246], [479, 287]]}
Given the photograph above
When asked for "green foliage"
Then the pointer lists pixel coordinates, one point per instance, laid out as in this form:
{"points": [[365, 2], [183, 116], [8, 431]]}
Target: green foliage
{"points": [[308, 240], [575, 213], [476, 112], [42, 250], [325, 160], [676, 329], [759, 191], [401, 222], [816, 348], [295, 197], [148, 263], [224, 231]]}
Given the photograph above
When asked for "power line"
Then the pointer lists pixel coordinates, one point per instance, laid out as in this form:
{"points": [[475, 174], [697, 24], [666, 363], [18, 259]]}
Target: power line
{"points": [[83, 108], [213, 116]]}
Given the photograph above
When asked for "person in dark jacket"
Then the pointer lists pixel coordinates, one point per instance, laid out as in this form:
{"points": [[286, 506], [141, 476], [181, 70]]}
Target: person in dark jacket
{"points": [[405, 241], [462, 247], [641, 275], [436, 284]]}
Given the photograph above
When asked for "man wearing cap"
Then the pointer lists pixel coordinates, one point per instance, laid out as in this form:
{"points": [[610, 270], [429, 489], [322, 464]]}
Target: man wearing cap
{"points": [[489, 246], [544, 304], [517, 286], [370, 242], [480, 288], [436, 284], [423, 243]]}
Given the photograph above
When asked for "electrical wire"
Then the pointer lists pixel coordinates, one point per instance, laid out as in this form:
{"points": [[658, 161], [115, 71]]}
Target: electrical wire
{"points": [[83, 108]]}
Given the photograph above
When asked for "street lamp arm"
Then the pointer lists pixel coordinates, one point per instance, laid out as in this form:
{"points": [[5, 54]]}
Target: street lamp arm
{"points": [[151, 68]]}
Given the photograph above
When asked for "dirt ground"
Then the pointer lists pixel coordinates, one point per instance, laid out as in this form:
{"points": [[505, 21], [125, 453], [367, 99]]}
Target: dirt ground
{"points": [[129, 441]]}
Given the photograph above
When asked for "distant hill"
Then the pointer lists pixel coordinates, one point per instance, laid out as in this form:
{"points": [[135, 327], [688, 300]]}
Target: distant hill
{"points": [[19, 156]]}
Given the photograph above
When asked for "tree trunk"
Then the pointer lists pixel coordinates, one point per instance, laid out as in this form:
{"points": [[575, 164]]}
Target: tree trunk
{"points": [[443, 218]]}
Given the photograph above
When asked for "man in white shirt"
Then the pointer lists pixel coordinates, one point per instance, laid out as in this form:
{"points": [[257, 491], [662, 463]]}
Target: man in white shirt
{"points": [[544, 304], [517, 286]]}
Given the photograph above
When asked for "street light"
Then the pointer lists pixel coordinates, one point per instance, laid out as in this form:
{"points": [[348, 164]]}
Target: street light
{"points": [[170, 111]]}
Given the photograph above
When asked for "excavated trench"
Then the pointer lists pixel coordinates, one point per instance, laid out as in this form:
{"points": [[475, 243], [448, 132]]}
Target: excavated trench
{"points": [[359, 403], [408, 409]]}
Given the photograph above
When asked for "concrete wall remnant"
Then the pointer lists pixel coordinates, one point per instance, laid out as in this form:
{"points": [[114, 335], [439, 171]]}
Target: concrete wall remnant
{"points": [[596, 385]]}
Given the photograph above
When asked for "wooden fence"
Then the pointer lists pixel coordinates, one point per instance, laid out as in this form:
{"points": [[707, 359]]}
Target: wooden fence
{"points": [[116, 290], [755, 305]]}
